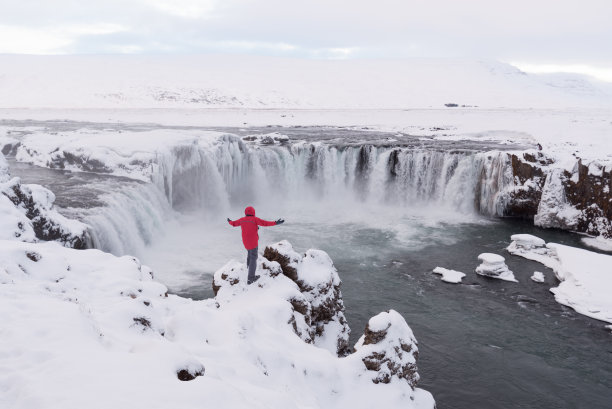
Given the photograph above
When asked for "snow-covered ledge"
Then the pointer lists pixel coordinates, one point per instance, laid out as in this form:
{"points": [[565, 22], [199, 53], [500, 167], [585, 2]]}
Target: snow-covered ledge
{"points": [[83, 326]]}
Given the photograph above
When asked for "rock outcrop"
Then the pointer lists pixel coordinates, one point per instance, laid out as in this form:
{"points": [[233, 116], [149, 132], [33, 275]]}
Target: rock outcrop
{"points": [[31, 215], [388, 349], [578, 200], [316, 299]]}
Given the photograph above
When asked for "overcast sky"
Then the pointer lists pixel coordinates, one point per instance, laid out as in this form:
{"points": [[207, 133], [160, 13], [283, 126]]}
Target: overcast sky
{"points": [[571, 35]]}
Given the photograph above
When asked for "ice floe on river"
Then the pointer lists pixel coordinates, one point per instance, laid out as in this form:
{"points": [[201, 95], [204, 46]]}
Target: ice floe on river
{"points": [[449, 276], [494, 266], [537, 276], [586, 276]]}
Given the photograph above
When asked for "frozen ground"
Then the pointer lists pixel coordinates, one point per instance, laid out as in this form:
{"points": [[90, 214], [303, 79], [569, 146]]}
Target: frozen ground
{"points": [[83, 328]]}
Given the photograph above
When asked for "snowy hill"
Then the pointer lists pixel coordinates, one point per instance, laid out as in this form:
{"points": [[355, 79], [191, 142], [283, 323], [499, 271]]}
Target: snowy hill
{"points": [[265, 82]]}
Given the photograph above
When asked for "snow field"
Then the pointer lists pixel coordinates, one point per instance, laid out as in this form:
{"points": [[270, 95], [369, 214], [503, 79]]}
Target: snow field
{"points": [[88, 329]]}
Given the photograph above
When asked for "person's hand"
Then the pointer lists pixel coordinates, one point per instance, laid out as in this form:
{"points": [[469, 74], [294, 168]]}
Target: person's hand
{"points": [[228, 220], [280, 221]]}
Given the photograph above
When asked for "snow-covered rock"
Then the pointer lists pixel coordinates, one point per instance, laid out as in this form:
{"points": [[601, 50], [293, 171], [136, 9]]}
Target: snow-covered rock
{"points": [[586, 277], [449, 276], [494, 266], [312, 287], [27, 214], [388, 349], [538, 277], [70, 315]]}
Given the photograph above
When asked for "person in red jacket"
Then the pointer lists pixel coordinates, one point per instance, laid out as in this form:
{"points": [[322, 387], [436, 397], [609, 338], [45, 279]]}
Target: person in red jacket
{"points": [[250, 224]]}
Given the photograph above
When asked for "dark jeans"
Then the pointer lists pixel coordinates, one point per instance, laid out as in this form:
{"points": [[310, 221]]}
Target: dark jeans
{"points": [[251, 263]]}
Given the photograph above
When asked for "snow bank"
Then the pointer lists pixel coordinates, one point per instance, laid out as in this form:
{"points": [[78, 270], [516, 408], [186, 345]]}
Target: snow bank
{"points": [[449, 276], [586, 277], [494, 266], [599, 243], [74, 315], [27, 213]]}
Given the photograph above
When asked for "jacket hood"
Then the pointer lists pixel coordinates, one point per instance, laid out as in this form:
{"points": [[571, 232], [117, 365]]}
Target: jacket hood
{"points": [[249, 211]]}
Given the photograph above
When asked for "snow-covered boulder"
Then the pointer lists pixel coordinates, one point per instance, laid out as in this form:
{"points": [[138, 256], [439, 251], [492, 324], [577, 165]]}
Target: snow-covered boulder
{"points": [[388, 349], [449, 276], [494, 266], [27, 214], [70, 315], [310, 284]]}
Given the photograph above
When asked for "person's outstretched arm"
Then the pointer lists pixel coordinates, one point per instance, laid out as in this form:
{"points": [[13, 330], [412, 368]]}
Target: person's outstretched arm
{"points": [[234, 223], [261, 222]]}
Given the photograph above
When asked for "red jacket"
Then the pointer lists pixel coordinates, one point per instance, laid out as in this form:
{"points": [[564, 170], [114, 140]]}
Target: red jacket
{"points": [[249, 229]]}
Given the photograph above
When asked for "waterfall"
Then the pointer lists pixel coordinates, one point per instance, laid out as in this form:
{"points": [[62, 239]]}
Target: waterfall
{"points": [[210, 179]]}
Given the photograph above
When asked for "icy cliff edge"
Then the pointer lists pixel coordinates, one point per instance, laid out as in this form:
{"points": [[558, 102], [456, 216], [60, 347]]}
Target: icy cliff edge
{"points": [[28, 214]]}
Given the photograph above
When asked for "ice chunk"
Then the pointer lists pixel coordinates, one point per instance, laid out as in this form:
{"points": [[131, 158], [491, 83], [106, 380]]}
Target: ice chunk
{"points": [[538, 277], [449, 276], [527, 241], [494, 266]]}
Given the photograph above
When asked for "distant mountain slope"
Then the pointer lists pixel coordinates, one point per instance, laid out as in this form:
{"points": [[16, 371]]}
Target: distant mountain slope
{"points": [[139, 81]]}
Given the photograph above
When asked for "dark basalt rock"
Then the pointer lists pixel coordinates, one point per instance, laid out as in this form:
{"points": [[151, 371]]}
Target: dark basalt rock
{"points": [[524, 202], [44, 227], [273, 255], [189, 374], [35, 257], [593, 196], [588, 193], [393, 163], [387, 355]]}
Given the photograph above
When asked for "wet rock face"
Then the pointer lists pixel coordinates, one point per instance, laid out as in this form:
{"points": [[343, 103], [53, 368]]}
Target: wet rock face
{"points": [[580, 200], [592, 195], [388, 349], [523, 202]]}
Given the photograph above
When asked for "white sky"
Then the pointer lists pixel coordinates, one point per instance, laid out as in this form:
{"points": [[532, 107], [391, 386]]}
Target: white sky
{"points": [[541, 35]]}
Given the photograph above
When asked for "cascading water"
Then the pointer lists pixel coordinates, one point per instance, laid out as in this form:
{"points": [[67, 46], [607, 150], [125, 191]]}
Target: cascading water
{"points": [[234, 172], [210, 180]]}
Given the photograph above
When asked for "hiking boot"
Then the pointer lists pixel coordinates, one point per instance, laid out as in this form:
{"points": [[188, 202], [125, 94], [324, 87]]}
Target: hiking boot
{"points": [[253, 280]]}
